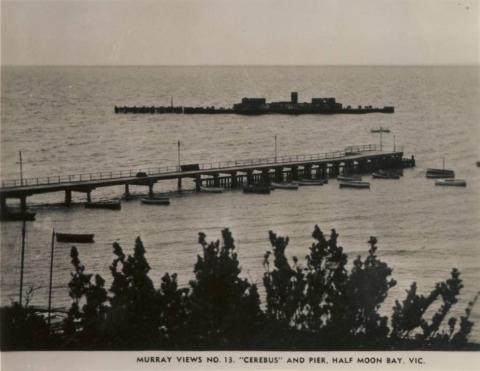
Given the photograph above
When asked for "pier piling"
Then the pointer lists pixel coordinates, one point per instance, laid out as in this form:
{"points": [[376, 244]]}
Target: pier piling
{"points": [[216, 180], [234, 180], [68, 197], [279, 174], [179, 184], [127, 191], [3, 204], [23, 203], [266, 176], [198, 183], [307, 171], [294, 172], [249, 177]]}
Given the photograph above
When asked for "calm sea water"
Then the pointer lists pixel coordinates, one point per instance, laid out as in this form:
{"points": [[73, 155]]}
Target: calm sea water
{"points": [[62, 120]]}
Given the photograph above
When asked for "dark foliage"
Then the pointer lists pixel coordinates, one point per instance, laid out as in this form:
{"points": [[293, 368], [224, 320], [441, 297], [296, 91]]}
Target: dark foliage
{"points": [[23, 329], [225, 309], [321, 305]]}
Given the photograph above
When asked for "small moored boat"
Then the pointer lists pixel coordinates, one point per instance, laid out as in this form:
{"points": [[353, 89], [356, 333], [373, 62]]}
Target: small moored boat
{"points": [[451, 182], [75, 237], [310, 182], [349, 178], [257, 188], [354, 185], [380, 130], [440, 173], [14, 215], [156, 201], [385, 175], [284, 186], [211, 189], [111, 205]]}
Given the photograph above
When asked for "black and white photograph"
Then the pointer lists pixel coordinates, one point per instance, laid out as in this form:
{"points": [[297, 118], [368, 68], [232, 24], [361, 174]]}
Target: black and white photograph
{"points": [[257, 184]]}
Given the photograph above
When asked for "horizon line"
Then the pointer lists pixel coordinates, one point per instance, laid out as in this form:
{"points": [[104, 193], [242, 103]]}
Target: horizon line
{"points": [[245, 65]]}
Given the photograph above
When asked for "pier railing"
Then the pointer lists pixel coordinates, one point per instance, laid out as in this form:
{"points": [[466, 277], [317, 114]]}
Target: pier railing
{"points": [[111, 175]]}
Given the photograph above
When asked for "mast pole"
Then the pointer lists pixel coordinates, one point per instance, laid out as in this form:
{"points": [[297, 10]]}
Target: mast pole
{"points": [[178, 155], [51, 277], [275, 148], [21, 168], [22, 260]]}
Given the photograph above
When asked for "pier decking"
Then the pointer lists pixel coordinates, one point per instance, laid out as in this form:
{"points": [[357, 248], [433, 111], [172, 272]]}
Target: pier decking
{"points": [[352, 159]]}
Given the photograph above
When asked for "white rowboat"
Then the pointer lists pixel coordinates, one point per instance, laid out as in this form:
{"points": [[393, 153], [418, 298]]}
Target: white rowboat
{"points": [[451, 182]]}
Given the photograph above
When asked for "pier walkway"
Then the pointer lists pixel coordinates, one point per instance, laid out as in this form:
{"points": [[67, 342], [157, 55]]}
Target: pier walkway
{"points": [[227, 174]]}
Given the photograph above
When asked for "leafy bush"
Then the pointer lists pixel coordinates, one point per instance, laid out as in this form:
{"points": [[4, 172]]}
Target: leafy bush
{"points": [[318, 305], [23, 329]]}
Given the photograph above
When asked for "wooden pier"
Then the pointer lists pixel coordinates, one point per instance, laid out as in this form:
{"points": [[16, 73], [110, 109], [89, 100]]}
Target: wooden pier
{"points": [[351, 160]]}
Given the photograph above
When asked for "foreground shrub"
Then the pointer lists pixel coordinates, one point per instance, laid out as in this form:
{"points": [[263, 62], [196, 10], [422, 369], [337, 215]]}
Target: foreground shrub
{"points": [[318, 305], [23, 329]]}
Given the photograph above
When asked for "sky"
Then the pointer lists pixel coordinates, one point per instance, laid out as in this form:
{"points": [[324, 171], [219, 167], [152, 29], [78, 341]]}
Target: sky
{"points": [[233, 32]]}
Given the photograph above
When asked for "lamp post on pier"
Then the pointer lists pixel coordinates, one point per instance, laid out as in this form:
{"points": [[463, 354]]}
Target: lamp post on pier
{"points": [[179, 156], [275, 149], [21, 167]]}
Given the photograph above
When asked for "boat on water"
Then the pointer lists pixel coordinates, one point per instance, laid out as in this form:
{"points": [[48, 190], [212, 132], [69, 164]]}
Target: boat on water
{"points": [[284, 185], [349, 178], [156, 201], [440, 173], [14, 215], [380, 130], [257, 188], [434, 173], [211, 189], [310, 182], [357, 184], [111, 205], [75, 237], [385, 175], [451, 182]]}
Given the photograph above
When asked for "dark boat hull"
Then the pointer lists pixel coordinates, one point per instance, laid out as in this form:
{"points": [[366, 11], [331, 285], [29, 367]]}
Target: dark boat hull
{"points": [[211, 189], [18, 215], [355, 185], [74, 237], [103, 205], [155, 201], [440, 176], [345, 178], [257, 189], [385, 176], [289, 186], [310, 182]]}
